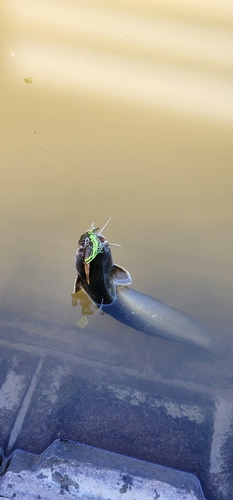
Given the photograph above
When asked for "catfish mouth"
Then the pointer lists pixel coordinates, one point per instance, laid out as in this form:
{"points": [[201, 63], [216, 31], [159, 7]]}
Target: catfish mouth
{"points": [[90, 245], [96, 273]]}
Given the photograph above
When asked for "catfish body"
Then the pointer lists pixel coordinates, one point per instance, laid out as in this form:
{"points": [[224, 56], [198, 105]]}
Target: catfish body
{"points": [[105, 283], [153, 317]]}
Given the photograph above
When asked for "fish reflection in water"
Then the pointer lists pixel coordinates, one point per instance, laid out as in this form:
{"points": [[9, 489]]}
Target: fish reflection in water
{"points": [[106, 284]]}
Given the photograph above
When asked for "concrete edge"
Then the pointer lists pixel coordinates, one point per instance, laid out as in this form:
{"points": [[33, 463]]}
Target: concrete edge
{"points": [[77, 456]]}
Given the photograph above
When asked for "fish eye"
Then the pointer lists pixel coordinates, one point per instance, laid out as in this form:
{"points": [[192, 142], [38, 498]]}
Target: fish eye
{"points": [[102, 240]]}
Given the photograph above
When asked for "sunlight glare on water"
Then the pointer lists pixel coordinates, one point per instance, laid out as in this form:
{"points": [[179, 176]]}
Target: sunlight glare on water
{"points": [[134, 59]]}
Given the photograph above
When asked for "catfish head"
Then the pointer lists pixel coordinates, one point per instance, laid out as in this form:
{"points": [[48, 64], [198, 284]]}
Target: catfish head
{"points": [[96, 273]]}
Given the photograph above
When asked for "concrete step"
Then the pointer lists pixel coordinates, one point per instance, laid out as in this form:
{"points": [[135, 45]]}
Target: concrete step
{"points": [[83, 472], [164, 403]]}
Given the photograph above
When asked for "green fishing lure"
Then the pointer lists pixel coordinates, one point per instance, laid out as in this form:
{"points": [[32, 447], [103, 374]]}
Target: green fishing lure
{"points": [[96, 245]]}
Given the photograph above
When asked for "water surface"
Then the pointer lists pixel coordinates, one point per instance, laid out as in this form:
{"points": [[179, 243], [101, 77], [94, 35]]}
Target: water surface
{"points": [[128, 115]]}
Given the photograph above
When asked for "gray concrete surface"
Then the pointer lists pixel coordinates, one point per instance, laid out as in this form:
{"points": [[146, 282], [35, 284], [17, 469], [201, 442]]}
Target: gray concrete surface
{"points": [[156, 401], [77, 471]]}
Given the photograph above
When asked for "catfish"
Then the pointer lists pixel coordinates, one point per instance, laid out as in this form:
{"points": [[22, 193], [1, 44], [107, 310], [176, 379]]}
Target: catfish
{"points": [[107, 285]]}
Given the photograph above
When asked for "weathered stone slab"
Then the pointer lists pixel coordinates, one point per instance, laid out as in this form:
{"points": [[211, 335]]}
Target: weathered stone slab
{"points": [[160, 402], [77, 471]]}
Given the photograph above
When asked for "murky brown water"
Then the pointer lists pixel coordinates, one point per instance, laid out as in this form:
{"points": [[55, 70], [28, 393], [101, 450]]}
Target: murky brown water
{"points": [[129, 115]]}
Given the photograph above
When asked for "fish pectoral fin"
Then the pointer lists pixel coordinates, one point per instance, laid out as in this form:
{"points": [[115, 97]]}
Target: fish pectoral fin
{"points": [[77, 285], [120, 275]]}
